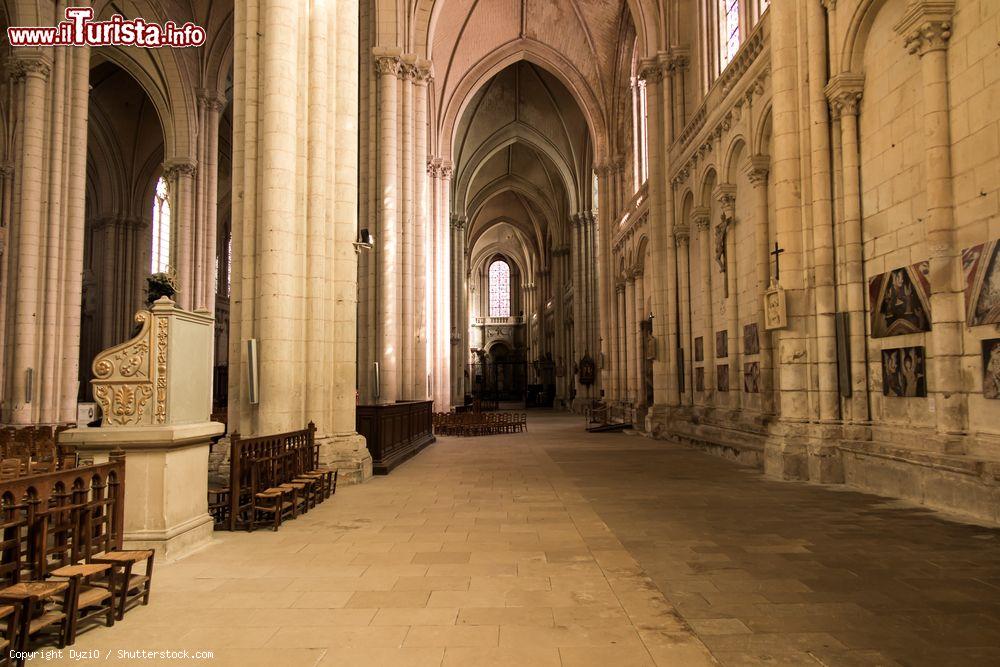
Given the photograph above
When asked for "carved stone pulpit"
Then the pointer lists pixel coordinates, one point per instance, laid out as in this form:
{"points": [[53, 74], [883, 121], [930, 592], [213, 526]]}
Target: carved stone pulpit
{"points": [[155, 391]]}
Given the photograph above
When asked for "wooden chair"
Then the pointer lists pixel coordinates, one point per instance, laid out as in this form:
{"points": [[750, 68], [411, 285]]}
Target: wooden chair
{"points": [[9, 617], [131, 587], [93, 595], [44, 607], [267, 500]]}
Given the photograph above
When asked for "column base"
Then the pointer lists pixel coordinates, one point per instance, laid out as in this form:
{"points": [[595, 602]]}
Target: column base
{"points": [[348, 453]]}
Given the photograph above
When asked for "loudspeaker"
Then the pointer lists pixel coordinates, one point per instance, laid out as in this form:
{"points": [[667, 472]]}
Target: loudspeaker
{"points": [[253, 376]]}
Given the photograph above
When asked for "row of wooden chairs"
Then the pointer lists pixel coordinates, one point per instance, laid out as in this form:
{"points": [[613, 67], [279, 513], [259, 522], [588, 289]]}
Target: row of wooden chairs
{"points": [[62, 565], [470, 424], [30, 450], [271, 479]]}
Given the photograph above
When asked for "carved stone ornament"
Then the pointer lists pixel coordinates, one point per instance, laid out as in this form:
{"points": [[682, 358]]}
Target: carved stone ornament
{"points": [[775, 308], [127, 376]]}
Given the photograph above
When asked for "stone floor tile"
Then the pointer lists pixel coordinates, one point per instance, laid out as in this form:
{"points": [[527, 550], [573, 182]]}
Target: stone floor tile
{"points": [[454, 635], [501, 657]]}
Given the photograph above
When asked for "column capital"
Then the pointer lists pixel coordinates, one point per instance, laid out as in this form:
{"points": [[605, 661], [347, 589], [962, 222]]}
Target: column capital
{"points": [[701, 217], [408, 68], [6, 168], [650, 71], [434, 167], [757, 169], [30, 63], [829, 5], [211, 99], [447, 170], [603, 169], [458, 222], [926, 26], [620, 287], [844, 93], [387, 61], [176, 167], [424, 72], [682, 235], [680, 58]]}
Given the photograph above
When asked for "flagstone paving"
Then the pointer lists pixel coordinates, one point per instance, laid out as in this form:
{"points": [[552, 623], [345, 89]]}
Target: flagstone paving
{"points": [[558, 547]]}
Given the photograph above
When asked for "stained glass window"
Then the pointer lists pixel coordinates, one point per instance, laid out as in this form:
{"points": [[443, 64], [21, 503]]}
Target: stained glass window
{"points": [[499, 289], [729, 30], [161, 229]]}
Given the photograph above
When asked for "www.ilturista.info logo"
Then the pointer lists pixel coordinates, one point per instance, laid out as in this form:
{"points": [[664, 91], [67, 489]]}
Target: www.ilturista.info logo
{"points": [[79, 29]]}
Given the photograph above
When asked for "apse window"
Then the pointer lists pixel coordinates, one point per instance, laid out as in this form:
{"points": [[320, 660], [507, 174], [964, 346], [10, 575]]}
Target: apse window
{"points": [[161, 229], [499, 289]]}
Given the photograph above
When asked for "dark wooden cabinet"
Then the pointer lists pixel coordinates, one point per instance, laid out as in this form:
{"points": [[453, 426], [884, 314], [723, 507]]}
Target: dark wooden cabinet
{"points": [[395, 432]]}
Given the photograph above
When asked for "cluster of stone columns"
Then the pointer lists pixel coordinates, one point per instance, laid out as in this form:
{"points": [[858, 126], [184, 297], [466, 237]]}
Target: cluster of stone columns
{"points": [[402, 300], [583, 247], [295, 223], [43, 221]]}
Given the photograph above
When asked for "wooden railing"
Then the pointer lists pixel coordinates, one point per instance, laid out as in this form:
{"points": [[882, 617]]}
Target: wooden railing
{"points": [[395, 432], [242, 454]]}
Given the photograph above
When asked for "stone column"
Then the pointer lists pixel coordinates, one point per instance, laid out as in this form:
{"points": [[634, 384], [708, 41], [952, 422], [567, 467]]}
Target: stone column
{"points": [[679, 65], [701, 219], [926, 27], [213, 103], [605, 271], [822, 215], [460, 314], [34, 69], [406, 280], [576, 261], [632, 356], [844, 92], [444, 288], [660, 226], [757, 169], [725, 194], [179, 174], [297, 189], [387, 65], [640, 315], [622, 365], [682, 238], [423, 230]]}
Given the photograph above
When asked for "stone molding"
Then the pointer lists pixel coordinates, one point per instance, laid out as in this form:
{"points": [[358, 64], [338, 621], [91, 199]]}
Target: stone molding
{"points": [[682, 235], [387, 65], [34, 64], [701, 217], [177, 167], [650, 71], [758, 169]]}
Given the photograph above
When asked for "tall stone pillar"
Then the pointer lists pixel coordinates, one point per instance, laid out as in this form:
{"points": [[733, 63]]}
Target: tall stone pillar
{"points": [[407, 279], [701, 219], [444, 288], [212, 104], [631, 326], [605, 273], [459, 310], [640, 315], [179, 174], [290, 203], [33, 69], [785, 454], [682, 240], [725, 194], [926, 27], [621, 367], [660, 226], [822, 215], [757, 169], [844, 93], [422, 229], [387, 66]]}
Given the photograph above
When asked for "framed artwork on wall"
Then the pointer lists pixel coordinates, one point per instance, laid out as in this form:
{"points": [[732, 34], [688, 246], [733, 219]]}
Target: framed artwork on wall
{"points": [[751, 377], [900, 301], [981, 265], [904, 372], [723, 377], [751, 339], [991, 369], [721, 344]]}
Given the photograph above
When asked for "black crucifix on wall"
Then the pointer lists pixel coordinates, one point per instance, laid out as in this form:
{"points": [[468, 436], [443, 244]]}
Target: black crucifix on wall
{"points": [[776, 253]]}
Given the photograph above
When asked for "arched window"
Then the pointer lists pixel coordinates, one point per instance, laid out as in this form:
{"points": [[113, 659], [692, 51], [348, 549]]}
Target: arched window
{"points": [[161, 229], [640, 123], [499, 289], [729, 31]]}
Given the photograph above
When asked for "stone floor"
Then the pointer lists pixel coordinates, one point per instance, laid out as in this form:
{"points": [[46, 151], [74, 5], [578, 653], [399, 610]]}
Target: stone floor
{"points": [[558, 547]]}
